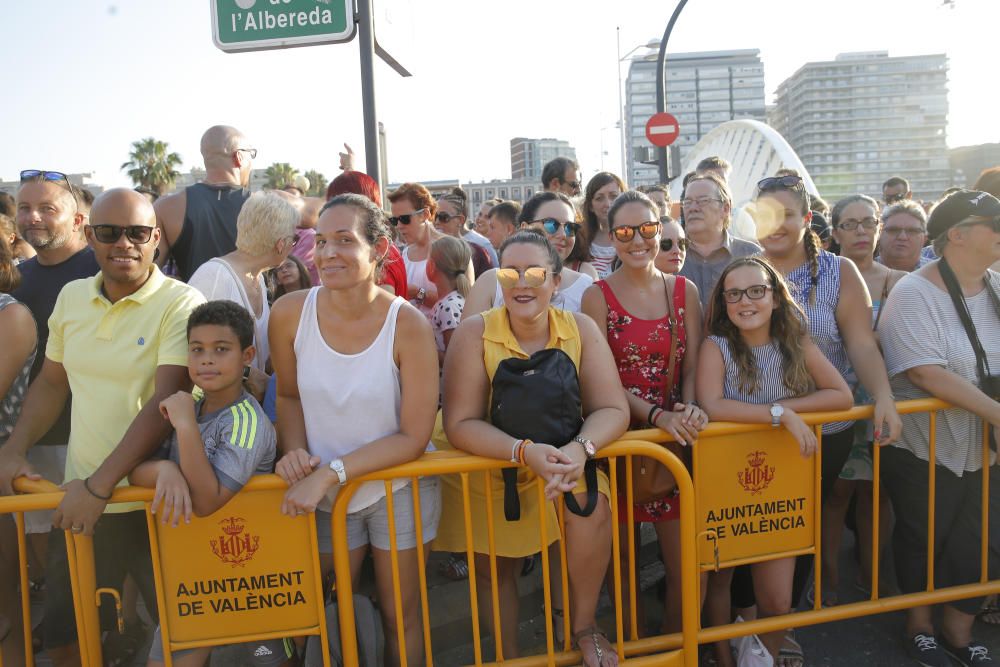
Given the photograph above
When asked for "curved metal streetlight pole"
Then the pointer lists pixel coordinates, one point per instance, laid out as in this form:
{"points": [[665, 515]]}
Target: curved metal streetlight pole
{"points": [[661, 86]]}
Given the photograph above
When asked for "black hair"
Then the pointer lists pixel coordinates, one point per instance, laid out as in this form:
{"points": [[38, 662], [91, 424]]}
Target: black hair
{"points": [[224, 314], [557, 169], [631, 197], [536, 238], [530, 209], [372, 218], [893, 181]]}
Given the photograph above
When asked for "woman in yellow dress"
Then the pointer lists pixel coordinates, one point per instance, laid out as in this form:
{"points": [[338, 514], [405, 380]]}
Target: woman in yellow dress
{"points": [[526, 324]]}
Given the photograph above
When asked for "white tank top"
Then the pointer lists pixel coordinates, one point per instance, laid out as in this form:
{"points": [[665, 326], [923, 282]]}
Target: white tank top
{"points": [[416, 274], [348, 400]]}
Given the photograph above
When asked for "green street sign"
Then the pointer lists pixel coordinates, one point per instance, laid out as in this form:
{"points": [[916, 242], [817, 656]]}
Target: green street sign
{"points": [[254, 25]]}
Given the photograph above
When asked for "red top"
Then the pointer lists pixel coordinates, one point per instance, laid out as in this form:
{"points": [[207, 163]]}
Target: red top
{"points": [[394, 272], [641, 347]]}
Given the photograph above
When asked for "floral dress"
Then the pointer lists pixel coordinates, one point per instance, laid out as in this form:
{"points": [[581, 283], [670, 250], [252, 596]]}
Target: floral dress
{"points": [[641, 349]]}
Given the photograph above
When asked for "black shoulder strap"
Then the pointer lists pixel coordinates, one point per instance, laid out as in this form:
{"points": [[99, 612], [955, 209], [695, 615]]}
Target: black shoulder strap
{"points": [[958, 299]]}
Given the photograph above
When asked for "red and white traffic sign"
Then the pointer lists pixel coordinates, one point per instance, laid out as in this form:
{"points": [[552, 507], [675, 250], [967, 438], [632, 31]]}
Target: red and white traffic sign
{"points": [[662, 129]]}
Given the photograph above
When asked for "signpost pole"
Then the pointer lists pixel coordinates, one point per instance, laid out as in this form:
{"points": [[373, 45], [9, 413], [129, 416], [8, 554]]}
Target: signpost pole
{"points": [[366, 42], [661, 88]]}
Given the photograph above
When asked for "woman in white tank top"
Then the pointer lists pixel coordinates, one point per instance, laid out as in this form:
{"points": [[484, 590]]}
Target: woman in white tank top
{"points": [[352, 400], [551, 214]]}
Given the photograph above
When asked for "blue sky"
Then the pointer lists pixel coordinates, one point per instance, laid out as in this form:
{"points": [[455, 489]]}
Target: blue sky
{"points": [[88, 77]]}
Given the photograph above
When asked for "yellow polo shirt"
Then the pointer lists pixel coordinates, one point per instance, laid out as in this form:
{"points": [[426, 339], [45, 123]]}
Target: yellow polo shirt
{"points": [[111, 352]]}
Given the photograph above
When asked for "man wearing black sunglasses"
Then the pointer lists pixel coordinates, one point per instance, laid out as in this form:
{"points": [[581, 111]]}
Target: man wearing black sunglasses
{"points": [[199, 222], [562, 175], [121, 338]]}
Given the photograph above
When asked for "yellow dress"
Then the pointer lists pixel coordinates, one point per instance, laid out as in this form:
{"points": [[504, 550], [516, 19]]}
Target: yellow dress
{"points": [[513, 539]]}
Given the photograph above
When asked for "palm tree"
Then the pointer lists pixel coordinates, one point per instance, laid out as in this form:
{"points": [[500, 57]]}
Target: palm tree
{"points": [[280, 174], [317, 184], [150, 165]]}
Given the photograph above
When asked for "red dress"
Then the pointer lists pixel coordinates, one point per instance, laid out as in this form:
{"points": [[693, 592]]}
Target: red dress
{"points": [[641, 348], [394, 272]]}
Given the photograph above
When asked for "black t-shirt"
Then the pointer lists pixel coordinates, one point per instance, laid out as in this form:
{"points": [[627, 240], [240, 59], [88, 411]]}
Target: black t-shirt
{"points": [[40, 286]]}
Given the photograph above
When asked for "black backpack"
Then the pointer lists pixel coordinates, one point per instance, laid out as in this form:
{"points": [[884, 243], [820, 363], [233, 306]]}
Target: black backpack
{"points": [[539, 399]]}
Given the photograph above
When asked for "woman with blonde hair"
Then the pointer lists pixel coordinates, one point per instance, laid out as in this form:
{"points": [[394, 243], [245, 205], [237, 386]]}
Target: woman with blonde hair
{"points": [[446, 269]]}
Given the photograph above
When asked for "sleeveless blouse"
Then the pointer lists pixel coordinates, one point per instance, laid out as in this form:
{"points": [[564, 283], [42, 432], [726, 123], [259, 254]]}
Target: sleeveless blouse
{"points": [[335, 389], [822, 317], [10, 403], [770, 374], [641, 348]]}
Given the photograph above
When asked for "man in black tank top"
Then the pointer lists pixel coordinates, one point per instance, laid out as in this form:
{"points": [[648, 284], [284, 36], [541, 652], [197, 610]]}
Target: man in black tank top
{"points": [[199, 222]]}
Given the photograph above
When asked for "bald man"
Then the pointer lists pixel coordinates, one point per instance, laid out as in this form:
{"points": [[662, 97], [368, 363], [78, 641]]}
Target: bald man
{"points": [[199, 222], [119, 342]]}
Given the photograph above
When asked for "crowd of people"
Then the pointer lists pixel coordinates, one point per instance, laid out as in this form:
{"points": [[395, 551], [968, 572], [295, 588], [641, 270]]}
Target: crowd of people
{"points": [[191, 342]]}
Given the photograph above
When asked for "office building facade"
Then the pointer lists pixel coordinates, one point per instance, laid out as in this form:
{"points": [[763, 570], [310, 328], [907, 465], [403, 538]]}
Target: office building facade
{"points": [[529, 156]]}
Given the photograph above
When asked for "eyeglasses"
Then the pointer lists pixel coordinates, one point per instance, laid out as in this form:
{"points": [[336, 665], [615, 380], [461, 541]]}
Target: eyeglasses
{"points": [[904, 231], [666, 245], [700, 202], [443, 217], [551, 226], [405, 218], [868, 224], [252, 151], [576, 185], [137, 234], [626, 233], [534, 276], [892, 199], [772, 182], [754, 293]]}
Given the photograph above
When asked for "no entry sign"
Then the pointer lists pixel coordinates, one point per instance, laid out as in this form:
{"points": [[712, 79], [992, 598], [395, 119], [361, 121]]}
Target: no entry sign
{"points": [[662, 129]]}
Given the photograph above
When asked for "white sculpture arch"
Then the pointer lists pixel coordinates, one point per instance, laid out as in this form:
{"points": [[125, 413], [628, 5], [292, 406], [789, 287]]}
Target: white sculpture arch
{"points": [[756, 150]]}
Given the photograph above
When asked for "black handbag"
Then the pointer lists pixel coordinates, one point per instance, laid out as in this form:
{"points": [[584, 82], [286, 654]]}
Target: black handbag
{"points": [[539, 399]]}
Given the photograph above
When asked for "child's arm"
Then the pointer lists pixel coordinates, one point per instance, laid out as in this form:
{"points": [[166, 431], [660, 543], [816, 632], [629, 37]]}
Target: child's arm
{"points": [[207, 493], [171, 489]]}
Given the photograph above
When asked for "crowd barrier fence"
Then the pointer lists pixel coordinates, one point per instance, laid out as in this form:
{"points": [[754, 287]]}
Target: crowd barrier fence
{"points": [[249, 545]]}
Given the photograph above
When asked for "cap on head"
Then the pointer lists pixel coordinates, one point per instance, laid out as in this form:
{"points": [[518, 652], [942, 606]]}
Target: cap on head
{"points": [[959, 206]]}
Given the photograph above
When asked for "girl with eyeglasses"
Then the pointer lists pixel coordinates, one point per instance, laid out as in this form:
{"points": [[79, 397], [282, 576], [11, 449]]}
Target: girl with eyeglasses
{"points": [[525, 324], [831, 292], [856, 229], [759, 365], [413, 214], [645, 316], [601, 191], [552, 215]]}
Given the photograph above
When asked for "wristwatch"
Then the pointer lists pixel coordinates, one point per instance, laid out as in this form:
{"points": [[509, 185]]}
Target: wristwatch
{"points": [[588, 446], [421, 294], [777, 410], [337, 466]]}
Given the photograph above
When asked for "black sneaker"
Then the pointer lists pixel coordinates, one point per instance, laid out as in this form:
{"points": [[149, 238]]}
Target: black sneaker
{"points": [[925, 650], [973, 654]]}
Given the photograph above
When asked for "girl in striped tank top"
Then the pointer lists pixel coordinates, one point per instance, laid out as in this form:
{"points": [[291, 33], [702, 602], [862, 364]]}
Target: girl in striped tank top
{"points": [[759, 365]]}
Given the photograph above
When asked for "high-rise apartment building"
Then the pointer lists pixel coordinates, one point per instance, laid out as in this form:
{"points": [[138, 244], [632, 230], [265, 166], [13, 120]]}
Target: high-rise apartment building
{"points": [[529, 156], [863, 117], [703, 89]]}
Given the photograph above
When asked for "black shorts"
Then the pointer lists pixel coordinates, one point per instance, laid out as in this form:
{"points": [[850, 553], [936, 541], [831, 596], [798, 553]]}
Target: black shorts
{"points": [[121, 547]]}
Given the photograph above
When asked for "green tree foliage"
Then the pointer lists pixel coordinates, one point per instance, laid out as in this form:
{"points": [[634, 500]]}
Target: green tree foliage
{"points": [[317, 184], [280, 174], [152, 166]]}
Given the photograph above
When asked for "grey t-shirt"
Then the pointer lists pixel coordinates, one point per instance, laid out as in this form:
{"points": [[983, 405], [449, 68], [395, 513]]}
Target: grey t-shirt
{"points": [[239, 441], [920, 327]]}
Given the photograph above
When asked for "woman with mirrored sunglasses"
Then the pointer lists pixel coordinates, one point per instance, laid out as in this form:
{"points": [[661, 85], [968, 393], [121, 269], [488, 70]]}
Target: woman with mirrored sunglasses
{"points": [[645, 315], [552, 215], [528, 323]]}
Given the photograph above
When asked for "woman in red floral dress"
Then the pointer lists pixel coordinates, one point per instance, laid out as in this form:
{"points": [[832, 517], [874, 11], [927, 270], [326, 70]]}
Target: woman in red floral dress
{"points": [[639, 306]]}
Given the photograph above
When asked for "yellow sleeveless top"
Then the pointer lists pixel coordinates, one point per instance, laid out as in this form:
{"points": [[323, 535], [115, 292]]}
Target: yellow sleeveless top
{"points": [[499, 342]]}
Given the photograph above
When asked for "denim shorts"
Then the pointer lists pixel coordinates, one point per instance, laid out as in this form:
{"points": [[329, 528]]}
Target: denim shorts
{"points": [[371, 524]]}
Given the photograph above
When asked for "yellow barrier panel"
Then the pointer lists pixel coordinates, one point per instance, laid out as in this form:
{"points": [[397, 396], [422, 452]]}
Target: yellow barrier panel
{"points": [[755, 498]]}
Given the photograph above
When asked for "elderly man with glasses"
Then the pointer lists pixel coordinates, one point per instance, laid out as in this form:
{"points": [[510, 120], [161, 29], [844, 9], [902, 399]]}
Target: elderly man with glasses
{"points": [[198, 223], [118, 340], [904, 232]]}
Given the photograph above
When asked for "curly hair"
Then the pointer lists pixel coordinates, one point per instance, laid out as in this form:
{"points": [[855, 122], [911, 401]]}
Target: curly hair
{"points": [[788, 330]]}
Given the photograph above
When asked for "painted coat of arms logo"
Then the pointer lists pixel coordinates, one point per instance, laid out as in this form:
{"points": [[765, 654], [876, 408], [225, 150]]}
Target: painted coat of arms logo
{"points": [[235, 546], [757, 475]]}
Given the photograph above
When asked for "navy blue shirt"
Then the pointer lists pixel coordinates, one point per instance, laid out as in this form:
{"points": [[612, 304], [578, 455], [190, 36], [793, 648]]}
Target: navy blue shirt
{"points": [[40, 286]]}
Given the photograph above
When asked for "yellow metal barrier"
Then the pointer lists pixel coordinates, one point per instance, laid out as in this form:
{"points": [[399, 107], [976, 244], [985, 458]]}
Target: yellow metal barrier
{"points": [[661, 650]]}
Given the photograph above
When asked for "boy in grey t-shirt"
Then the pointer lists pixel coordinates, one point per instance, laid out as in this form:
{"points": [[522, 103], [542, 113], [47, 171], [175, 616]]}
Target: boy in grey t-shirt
{"points": [[219, 442]]}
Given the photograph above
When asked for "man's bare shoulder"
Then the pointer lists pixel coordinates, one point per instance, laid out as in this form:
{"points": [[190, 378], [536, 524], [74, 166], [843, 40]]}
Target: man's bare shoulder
{"points": [[170, 208]]}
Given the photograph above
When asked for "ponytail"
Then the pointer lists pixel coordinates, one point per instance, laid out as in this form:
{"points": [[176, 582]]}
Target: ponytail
{"points": [[451, 257]]}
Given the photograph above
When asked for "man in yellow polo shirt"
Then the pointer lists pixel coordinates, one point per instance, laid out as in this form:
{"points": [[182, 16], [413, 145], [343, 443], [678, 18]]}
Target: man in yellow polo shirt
{"points": [[118, 342]]}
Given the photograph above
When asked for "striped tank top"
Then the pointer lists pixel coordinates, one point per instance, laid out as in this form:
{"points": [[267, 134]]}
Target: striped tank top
{"points": [[770, 374]]}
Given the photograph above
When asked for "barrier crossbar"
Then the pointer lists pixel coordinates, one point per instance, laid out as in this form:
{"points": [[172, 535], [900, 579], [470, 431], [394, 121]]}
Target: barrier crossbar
{"points": [[661, 649]]}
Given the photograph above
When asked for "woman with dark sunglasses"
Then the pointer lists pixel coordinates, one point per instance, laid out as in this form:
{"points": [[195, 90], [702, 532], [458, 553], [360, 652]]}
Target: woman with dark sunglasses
{"points": [[552, 215], [644, 314], [673, 247], [450, 219]]}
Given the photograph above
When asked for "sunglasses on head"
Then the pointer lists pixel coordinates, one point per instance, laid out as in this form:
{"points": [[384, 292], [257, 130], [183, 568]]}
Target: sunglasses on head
{"points": [[403, 219], [443, 217], [666, 245], [754, 293], [551, 226], [772, 182], [534, 276], [626, 233], [43, 175], [137, 234]]}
